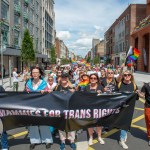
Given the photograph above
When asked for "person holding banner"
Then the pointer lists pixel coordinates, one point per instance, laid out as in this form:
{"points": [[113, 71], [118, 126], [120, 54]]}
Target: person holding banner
{"points": [[145, 93], [94, 86], [38, 134], [62, 87], [127, 84], [4, 140], [109, 82]]}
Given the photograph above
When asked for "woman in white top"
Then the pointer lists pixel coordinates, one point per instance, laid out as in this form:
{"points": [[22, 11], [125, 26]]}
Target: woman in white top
{"points": [[50, 83]]}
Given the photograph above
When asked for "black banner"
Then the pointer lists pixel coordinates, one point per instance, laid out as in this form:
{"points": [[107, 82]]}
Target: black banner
{"points": [[67, 111]]}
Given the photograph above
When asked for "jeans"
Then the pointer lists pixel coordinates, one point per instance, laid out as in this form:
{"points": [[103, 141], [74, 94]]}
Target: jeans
{"points": [[4, 141], [40, 134], [123, 135], [15, 86]]}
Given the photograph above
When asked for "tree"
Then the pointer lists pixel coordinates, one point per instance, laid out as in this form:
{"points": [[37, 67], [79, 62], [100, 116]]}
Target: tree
{"points": [[64, 61], [53, 55], [96, 60], [27, 50], [88, 59]]}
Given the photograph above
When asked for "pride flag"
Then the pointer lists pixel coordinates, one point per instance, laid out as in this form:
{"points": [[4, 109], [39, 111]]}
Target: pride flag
{"points": [[73, 61], [84, 83], [136, 54]]}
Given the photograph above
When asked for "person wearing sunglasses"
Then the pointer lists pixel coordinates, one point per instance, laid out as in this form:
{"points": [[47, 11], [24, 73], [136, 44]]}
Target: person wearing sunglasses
{"points": [[109, 82], [127, 84], [94, 86], [64, 86]]}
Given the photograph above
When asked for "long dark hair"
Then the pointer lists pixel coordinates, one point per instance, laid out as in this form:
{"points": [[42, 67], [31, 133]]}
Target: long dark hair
{"points": [[95, 74], [40, 71]]}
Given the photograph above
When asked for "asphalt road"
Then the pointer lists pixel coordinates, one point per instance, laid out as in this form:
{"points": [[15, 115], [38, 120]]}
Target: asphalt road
{"points": [[137, 139]]}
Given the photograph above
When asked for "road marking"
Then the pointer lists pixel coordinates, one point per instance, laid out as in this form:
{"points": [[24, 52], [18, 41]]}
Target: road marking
{"points": [[139, 127], [139, 108], [116, 130], [18, 135], [138, 119], [142, 100]]}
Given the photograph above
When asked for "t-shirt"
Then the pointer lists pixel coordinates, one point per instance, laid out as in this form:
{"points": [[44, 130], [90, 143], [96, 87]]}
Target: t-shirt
{"points": [[126, 87], [99, 87], [51, 87], [15, 77], [146, 89]]}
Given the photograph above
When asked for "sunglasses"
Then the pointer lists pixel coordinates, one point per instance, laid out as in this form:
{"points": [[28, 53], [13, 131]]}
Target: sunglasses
{"points": [[110, 73], [93, 78], [125, 75]]}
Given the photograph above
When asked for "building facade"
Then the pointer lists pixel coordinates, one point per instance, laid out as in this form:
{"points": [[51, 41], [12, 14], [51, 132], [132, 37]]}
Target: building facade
{"points": [[117, 37], [141, 40], [100, 50], [15, 17]]}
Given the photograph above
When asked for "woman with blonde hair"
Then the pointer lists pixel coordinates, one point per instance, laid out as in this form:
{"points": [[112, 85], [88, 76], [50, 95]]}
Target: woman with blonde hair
{"points": [[127, 84]]}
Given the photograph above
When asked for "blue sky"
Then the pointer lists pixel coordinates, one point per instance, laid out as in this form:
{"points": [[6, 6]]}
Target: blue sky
{"points": [[77, 22]]}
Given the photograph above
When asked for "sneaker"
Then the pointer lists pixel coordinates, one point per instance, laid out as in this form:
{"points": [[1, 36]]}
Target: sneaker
{"points": [[32, 146], [101, 140], [123, 144], [48, 145], [73, 146], [90, 141], [62, 146]]}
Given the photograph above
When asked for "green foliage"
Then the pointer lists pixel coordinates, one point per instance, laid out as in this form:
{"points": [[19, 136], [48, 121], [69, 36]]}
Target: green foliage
{"points": [[27, 50], [96, 60], [65, 61], [53, 55], [88, 59]]}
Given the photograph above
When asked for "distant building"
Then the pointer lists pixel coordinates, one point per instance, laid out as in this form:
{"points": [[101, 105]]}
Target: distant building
{"points": [[117, 37], [99, 49], [17, 15], [141, 40]]}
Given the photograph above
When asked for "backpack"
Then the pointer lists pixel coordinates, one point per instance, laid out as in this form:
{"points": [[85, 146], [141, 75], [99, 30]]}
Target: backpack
{"points": [[119, 85]]}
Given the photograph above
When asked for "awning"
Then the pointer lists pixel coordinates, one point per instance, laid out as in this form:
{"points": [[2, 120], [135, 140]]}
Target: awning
{"points": [[17, 52]]}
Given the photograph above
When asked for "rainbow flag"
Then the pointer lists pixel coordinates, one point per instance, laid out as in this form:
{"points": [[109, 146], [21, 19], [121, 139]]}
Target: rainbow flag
{"points": [[84, 83], [136, 54], [87, 65], [73, 61], [83, 61]]}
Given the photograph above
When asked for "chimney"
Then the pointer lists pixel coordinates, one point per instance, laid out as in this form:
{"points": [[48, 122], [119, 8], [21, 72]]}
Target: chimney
{"points": [[148, 8]]}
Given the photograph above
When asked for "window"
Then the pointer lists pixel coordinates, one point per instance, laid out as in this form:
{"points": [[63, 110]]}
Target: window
{"points": [[16, 38], [4, 10], [36, 20], [31, 28], [25, 9], [25, 24], [16, 2], [37, 7], [5, 34], [31, 14], [16, 20]]}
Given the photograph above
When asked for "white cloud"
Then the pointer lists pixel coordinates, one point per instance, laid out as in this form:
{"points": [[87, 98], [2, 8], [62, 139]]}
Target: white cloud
{"points": [[83, 20], [64, 35]]}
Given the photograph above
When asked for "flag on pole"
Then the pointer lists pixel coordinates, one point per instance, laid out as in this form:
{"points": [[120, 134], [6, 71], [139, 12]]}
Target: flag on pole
{"points": [[130, 52], [136, 54]]}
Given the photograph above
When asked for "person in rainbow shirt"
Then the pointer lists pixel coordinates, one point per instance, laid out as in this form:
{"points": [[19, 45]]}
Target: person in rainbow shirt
{"points": [[83, 83]]}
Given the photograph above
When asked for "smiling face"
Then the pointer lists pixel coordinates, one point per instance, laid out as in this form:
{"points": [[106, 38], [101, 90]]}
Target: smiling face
{"points": [[110, 74], [127, 76]]}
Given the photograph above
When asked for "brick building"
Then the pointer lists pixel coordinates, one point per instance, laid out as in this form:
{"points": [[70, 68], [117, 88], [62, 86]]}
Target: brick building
{"points": [[117, 37], [141, 40]]}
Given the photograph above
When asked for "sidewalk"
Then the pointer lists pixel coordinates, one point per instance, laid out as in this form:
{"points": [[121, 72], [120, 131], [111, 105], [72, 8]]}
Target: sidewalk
{"points": [[6, 84]]}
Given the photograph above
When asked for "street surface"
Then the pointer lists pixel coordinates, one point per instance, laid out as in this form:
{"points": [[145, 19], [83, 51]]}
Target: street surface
{"points": [[137, 139]]}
